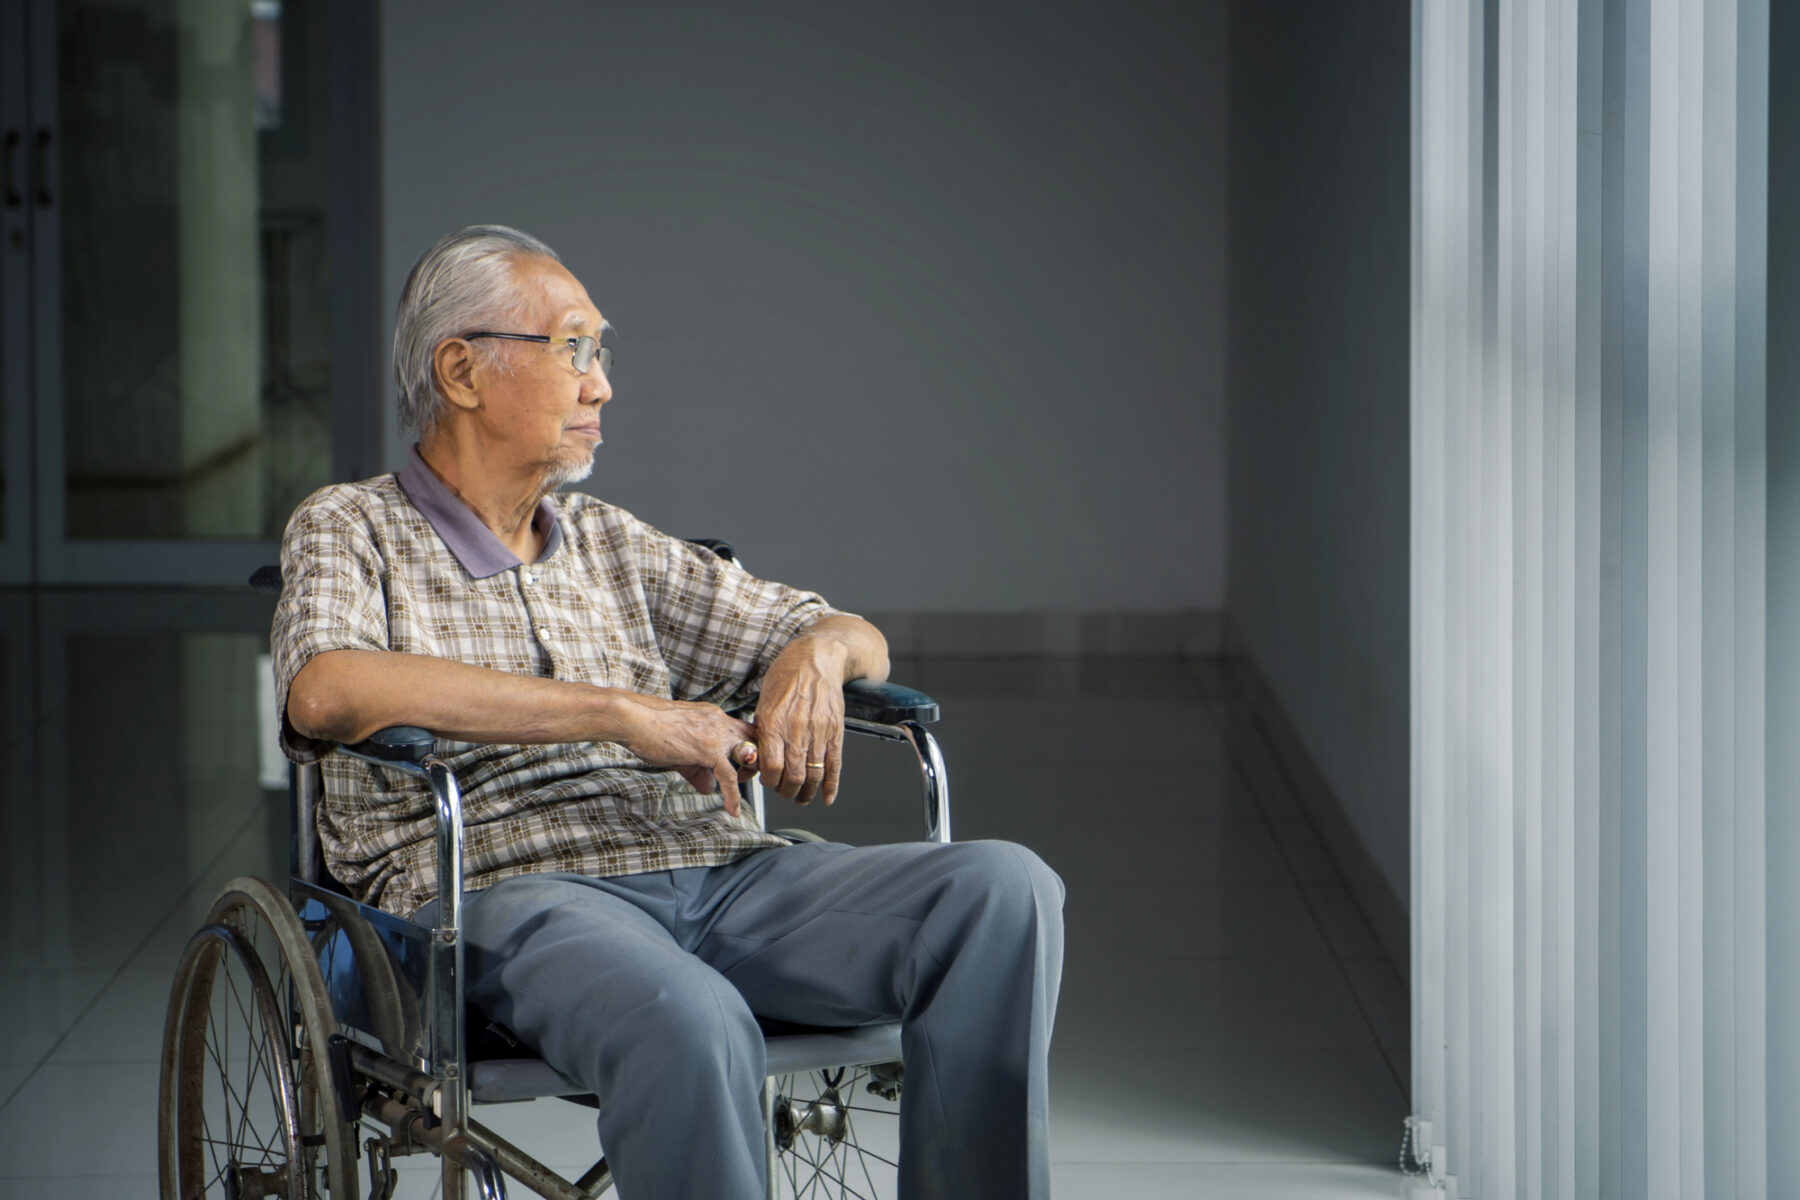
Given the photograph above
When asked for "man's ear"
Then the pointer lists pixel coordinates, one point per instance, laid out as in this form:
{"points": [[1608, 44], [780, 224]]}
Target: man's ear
{"points": [[453, 362]]}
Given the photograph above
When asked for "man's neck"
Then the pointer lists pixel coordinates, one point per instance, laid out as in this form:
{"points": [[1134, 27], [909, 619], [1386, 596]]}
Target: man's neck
{"points": [[503, 500]]}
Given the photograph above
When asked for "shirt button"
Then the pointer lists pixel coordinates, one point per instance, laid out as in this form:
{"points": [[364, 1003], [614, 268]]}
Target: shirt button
{"points": [[530, 578], [543, 632]]}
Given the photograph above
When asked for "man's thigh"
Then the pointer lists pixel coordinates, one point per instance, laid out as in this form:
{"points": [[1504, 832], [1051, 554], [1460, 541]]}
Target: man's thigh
{"points": [[824, 934], [561, 961]]}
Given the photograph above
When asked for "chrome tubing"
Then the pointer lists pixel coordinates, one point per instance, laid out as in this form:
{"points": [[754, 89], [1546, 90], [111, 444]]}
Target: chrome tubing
{"points": [[457, 1151], [415, 1084], [448, 1065], [771, 1156], [935, 778], [490, 1158], [468, 1156], [937, 781]]}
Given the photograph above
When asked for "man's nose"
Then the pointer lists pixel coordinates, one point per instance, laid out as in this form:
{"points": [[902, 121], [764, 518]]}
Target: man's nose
{"points": [[600, 391]]}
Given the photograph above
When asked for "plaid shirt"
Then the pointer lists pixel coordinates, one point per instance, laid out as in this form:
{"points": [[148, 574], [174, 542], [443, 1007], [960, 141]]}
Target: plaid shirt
{"points": [[398, 563]]}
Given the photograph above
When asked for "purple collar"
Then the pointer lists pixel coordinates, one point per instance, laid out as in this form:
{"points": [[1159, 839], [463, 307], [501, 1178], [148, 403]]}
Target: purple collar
{"points": [[474, 544]]}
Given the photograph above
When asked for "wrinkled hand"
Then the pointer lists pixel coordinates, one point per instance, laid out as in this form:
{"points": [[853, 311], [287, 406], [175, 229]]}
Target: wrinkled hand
{"points": [[696, 739], [800, 721]]}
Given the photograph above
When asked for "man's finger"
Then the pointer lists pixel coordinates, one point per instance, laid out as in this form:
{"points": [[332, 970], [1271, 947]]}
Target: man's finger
{"points": [[770, 761], [726, 775], [834, 767], [700, 778], [818, 768], [743, 759], [793, 773]]}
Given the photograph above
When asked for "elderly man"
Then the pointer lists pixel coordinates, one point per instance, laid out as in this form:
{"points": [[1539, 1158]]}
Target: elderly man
{"points": [[625, 916]]}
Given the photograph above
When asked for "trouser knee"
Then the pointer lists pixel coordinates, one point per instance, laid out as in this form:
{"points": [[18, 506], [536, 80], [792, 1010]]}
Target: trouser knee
{"points": [[1013, 883]]}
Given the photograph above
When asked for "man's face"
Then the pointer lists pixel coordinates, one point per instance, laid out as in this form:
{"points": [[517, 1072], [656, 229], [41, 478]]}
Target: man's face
{"points": [[545, 415]]}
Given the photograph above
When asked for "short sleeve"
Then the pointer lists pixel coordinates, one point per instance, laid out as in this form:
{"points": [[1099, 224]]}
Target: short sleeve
{"points": [[331, 597], [718, 626]]}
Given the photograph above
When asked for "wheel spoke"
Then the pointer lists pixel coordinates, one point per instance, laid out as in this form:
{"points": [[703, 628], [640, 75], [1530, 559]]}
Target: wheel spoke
{"points": [[212, 1147], [270, 1072], [250, 1065], [815, 1166], [250, 1080], [880, 1112], [229, 1093]]}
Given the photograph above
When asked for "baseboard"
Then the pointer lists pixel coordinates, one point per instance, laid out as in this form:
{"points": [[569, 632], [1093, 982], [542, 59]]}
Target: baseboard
{"points": [[1386, 912], [1053, 634]]}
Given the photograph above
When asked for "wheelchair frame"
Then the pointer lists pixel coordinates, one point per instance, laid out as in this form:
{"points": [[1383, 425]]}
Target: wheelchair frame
{"points": [[396, 1050]]}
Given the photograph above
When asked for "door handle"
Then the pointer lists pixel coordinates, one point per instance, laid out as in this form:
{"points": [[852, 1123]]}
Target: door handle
{"points": [[9, 169], [41, 168]]}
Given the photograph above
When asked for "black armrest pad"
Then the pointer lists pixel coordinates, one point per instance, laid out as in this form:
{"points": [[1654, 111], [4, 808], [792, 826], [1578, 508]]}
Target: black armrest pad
{"points": [[397, 744], [887, 703]]}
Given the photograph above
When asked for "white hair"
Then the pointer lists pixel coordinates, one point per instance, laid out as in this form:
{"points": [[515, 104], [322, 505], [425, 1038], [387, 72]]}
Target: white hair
{"points": [[462, 284]]}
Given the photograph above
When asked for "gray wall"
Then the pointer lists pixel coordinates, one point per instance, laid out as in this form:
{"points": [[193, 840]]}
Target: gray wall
{"points": [[922, 306], [1317, 534]]}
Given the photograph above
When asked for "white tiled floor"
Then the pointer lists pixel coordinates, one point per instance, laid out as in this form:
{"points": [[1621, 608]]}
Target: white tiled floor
{"points": [[1229, 1025]]}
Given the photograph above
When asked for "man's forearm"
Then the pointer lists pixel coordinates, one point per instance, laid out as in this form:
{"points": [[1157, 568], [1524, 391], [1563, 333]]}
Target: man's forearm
{"points": [[864, 648], [346, 695]]}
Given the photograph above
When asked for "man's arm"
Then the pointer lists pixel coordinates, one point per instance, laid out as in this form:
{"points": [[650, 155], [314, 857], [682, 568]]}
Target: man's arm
{"points": [[800, 716], [346, 695]]}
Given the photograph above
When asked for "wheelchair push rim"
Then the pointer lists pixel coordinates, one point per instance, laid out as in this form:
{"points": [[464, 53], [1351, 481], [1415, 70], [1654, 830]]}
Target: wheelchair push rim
{"points": [[247, 1103]]}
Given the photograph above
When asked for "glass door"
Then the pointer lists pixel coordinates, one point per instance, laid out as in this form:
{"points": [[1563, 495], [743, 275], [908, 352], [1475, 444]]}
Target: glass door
{"points": [[185, 258], [16, 199]]}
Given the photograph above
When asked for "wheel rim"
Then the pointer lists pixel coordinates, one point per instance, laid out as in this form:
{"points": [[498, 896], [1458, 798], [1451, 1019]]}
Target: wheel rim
{"points": [[834, 1137]]}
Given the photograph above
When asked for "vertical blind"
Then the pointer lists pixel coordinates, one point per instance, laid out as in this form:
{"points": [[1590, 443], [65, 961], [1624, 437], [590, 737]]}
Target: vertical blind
{"points": [[1597, 973]]}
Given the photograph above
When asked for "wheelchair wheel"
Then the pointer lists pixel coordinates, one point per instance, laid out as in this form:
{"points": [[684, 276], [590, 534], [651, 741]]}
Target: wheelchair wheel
{"points": [[837, 1133], [247, 1103]]}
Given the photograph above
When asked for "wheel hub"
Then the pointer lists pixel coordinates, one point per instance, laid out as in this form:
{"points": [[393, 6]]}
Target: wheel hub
{"points": [[249, 1183], [824, 1117]]}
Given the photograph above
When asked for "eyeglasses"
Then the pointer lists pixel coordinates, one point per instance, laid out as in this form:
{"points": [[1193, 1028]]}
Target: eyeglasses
{"points": [[585, 348]]}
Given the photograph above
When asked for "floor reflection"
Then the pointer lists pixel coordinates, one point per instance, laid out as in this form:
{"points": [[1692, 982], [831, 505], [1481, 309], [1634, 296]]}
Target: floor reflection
{"points": [[1226, 1014]]}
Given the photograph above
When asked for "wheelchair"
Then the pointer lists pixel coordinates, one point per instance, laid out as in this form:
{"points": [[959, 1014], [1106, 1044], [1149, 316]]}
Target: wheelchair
{"points": [[312, 1040]]}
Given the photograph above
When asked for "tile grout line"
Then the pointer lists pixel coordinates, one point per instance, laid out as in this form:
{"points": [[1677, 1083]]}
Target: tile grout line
{"points": [[1235, 751], [123, 966]]}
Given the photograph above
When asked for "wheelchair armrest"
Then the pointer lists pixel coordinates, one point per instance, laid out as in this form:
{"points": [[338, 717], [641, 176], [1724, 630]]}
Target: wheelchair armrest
{"points": [[402, 745], [864, 700], [887, 703]]}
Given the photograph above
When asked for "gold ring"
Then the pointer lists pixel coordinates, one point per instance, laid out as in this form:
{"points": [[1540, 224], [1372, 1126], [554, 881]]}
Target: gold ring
{"points": [[819, 765]]}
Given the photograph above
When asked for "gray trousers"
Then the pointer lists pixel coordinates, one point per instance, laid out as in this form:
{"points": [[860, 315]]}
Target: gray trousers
{"points": [[642, 987]]}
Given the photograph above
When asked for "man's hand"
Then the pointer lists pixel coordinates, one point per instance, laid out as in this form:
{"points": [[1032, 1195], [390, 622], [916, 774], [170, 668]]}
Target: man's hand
{"points": [[696, 739], [800, 720]]}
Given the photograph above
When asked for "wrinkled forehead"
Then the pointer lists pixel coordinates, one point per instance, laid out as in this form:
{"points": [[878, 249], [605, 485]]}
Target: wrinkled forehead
{"points": [[555, 300]]}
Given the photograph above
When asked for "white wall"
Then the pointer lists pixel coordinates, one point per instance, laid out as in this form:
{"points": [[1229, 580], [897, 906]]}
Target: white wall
{"points": [[1318, 451], [920, 306]]}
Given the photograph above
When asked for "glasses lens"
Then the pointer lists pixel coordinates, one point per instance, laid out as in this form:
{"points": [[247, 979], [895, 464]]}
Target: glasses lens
{"points": [[606, 361], [584, 354]]}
